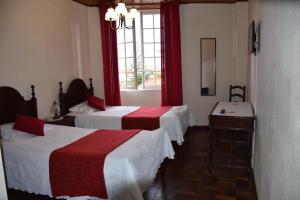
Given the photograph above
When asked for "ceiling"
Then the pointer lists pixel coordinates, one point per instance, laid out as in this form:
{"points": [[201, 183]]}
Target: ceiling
{"points": [[152, 2]]}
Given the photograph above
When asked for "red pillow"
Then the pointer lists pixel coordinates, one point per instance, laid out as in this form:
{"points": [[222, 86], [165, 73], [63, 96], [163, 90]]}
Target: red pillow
{"points": [[28, 124], [96, 102]]}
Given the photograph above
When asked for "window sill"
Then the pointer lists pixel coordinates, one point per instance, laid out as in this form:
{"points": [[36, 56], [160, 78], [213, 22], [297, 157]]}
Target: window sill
{"points": [[138, 90]]}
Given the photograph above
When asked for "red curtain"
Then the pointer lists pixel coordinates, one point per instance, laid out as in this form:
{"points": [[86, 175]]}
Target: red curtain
{"points": [[110, 61], [171, 73]]}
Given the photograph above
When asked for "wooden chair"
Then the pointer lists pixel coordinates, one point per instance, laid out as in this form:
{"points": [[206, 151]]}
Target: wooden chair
{"points": [[233, 93]]}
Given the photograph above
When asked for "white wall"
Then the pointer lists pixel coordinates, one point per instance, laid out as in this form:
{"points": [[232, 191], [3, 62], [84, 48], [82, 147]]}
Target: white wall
{"points": [[44, 42], [277, 96], [241, 44], [217, 21], [141, 97], [95, 51]]}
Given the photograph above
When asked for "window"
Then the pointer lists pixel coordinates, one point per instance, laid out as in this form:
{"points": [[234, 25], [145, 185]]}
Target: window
{"points": [[139, 53]]}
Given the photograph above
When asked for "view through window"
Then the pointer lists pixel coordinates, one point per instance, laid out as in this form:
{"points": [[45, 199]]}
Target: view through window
{"points": [[139, 53]]}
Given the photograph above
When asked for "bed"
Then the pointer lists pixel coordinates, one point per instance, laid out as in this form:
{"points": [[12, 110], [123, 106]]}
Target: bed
{"points": [[176, 121], [26, 157]]}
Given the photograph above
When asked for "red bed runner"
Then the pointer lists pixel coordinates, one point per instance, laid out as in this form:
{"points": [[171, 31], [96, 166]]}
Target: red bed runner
{"points": [[77, 169], [146, 118]]}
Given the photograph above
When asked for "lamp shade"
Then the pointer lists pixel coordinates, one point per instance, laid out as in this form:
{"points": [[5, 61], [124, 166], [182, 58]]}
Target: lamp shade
{"points": [[121, 9], [125, 19], [111, 15], [133, 13]]}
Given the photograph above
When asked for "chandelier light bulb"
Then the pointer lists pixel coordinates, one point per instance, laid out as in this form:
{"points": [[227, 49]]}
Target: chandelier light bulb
{"points": [[133, 13], [121, 9], [120, 14], [110, 15]]}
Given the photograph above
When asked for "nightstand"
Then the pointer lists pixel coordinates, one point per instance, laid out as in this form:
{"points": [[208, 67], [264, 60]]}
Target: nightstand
{"points": [[65, 121]]}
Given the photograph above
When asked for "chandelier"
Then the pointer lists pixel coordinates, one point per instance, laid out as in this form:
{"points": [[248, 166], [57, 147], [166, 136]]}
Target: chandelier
{"points": [[121, 15]]}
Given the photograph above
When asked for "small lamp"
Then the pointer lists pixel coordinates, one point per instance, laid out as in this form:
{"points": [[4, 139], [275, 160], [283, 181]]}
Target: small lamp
{"points": [[55, 110]]}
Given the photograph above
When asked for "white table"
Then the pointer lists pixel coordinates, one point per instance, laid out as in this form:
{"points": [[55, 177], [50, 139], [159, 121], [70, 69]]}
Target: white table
{"points": [[231, 116]]}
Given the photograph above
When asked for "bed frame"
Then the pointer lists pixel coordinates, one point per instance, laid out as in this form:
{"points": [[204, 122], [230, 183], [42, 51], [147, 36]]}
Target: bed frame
{"points": [[12, 103], [76, 93]]}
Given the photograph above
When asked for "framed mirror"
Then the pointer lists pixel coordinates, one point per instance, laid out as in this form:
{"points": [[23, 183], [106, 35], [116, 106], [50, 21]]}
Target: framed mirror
{"points": [[208, 66]]}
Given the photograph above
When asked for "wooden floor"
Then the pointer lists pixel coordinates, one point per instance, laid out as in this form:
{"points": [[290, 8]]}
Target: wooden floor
{"points": [[187, 178]]}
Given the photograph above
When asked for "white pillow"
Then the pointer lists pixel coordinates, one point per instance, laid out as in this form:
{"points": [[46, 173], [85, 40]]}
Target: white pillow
{"points": [[8, 132], [82, 108]]}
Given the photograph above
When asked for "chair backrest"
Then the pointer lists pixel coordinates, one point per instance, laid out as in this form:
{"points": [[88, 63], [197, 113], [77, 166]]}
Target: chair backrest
{"points": [[234, 93]]}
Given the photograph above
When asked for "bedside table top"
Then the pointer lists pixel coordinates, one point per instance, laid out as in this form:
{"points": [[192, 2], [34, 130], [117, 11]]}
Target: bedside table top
{"points": [[50, 119], [65, 121], [234, 109]]}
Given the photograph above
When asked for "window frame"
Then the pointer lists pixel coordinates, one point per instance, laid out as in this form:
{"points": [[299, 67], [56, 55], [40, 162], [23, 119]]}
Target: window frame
{"points": [[141, 42], [124, 43], [149, 12]]}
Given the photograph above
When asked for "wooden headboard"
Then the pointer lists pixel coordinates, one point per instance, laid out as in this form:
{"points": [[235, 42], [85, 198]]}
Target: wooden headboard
{"points": [[12, 103], [76, 93]]}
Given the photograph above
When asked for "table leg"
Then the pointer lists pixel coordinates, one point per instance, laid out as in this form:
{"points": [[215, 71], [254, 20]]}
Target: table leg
{"points": [[250, 150], [210, 163]]}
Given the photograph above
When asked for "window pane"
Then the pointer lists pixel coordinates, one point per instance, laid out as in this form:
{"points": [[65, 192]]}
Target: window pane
{"points": [[148, 35], [130, 80], [122, 67], [157, 64], [149, 50], [130, 65], [139, 79], [147, 21], [146, 70], [128, 22], [121, 51], [129, 50], [156, 20], [149, 78], [158, 78], [128, 35], [157, 50], [138, 59], [120, 35], [157, 35], [149, 64], [122, 79]]}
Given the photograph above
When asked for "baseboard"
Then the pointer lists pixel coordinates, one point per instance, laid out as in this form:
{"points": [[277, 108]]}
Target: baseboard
{"points": [[200, 128]]}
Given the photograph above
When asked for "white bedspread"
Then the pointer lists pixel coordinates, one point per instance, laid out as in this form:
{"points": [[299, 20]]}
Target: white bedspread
{"points": [[128, 170], [175, 121]]}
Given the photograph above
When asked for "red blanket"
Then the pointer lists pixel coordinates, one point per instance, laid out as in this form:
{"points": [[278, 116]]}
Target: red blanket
{"points": [[77, 169], [146, 118]]}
